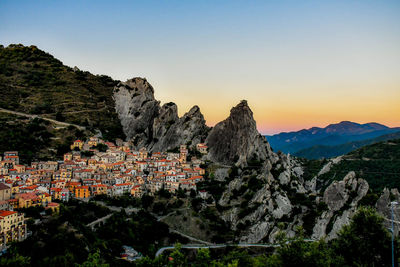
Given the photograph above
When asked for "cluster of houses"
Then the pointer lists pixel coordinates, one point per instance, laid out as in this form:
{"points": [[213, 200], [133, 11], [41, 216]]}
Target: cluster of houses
{"points": [[117, 171]]}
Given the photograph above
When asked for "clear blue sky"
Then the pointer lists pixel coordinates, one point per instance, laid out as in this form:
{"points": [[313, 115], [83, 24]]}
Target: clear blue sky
{"points": [[298, 63]]}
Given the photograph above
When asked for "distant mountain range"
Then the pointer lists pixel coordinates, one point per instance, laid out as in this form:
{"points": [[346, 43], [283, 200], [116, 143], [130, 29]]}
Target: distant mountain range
{"points": [[333, 140]]}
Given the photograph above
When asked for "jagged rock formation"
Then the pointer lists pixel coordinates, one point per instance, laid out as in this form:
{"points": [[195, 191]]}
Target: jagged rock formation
{"points": [[170, 132], [168, 115], [147, 124], [284, 198], [266, 204], [237, 140], [136, 109], [341, 198], [268, 194]]}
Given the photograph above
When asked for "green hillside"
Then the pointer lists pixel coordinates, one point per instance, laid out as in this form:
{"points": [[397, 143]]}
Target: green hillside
{"points": [[36, 139], [378, 163], [34, 82], [324, 151]]}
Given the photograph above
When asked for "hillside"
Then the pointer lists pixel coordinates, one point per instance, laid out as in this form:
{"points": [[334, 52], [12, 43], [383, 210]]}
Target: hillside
{"points": [[378, 164], [323, 151], [34, 82], [36, 139]]}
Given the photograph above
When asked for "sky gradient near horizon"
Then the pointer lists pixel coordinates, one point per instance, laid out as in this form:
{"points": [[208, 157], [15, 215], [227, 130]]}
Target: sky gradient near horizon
{"points": [[298, 63]]}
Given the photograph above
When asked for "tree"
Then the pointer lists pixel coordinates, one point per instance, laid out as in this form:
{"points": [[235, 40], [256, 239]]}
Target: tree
{"points": [[177, 258], [202, 258], [298, 252], [15, 260], [302, 253], [365, 241], [93, 260]]}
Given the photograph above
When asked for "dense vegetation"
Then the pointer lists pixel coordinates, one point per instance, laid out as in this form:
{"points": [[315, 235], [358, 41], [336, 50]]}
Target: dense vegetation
{"points": [[64, 240], [34, 82], [35, 139], [325, 151], [379, 164]]}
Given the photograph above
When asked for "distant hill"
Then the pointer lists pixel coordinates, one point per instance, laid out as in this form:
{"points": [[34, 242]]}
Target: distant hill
{"points": [[321, 151], [378, 163], [34, 82], [332, 135]]}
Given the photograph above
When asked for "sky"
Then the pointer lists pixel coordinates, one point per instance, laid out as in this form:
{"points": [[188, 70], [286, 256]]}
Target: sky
{"points": [[298, 63]]}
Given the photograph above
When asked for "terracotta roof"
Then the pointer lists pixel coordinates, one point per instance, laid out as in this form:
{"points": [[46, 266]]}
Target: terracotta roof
{"points": [[4, 213], [82, 187]]}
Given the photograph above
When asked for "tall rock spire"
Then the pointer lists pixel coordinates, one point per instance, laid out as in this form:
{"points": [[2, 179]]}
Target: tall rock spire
{"points": [[236, 139]]}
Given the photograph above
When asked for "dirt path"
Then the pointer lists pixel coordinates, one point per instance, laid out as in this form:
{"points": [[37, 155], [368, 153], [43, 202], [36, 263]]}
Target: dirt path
{"points": [[40, 117]]}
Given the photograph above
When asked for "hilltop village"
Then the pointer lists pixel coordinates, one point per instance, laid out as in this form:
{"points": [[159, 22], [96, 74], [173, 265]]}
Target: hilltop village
{"points": [[93, 167]]}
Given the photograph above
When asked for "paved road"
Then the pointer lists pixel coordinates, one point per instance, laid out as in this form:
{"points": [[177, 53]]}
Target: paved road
{"points": [[102, 219], [242, 245], [40, 117]]}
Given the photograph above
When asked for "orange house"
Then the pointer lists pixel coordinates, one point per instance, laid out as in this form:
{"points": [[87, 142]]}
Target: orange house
{"points": [[82, 192], [72, 185]]}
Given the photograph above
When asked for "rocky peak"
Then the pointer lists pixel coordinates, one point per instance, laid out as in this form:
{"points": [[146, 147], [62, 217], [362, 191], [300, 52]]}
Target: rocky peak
{"points": [[236, 139], [242, 111], [140, 86], [136, 109], [190, 128], [194, 112]]}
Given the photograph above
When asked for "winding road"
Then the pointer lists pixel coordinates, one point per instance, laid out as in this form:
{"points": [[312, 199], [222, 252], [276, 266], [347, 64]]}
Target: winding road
{"points": [[242, 245], [40, 117]]}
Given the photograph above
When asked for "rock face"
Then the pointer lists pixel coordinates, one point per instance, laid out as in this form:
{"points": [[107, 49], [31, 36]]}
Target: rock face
{"points": [[148, 125], [136, 109], [170, 132], [384, 208], [268, 191], [236, 139], [342, 198]]}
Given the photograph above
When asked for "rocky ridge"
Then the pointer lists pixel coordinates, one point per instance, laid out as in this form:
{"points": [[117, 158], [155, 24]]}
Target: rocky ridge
{"points": [[236, 140], [269, 192], [147, 124]]}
